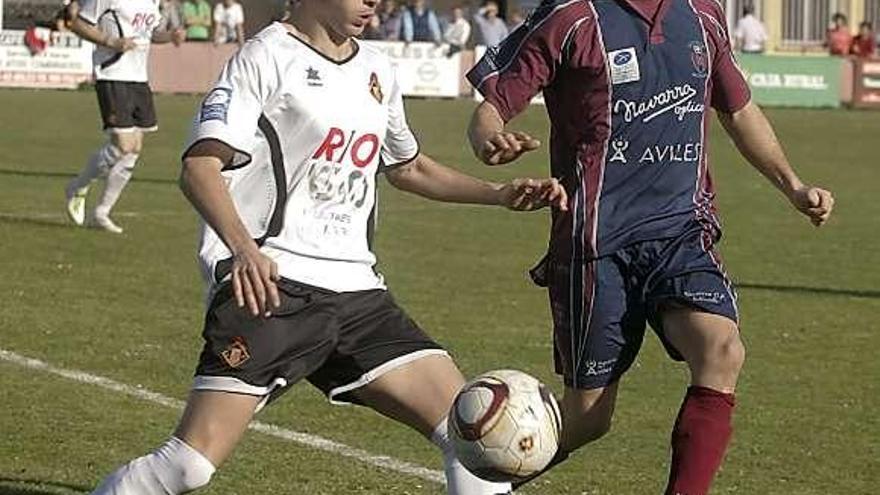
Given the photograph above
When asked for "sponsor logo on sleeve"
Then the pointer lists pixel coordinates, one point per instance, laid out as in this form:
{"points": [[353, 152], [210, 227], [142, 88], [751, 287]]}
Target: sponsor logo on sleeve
{"points": [[216, 105], [624, 66]]}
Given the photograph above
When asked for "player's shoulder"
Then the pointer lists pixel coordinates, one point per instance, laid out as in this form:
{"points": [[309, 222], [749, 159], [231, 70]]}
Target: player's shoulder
{"points": [[713, 17], [558, 12], [373, 55], [712, 9]]}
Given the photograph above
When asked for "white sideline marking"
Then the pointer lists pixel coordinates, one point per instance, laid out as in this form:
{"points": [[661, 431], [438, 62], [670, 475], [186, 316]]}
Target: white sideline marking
{"points": [[307, 439]]}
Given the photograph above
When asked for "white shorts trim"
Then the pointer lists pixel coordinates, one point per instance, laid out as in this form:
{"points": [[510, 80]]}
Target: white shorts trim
{"points": [[236, 386], [380, 370]]}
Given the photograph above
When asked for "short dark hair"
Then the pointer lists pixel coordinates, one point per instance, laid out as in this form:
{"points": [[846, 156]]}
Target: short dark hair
{"points": [[748, 9], [839, 16], [866, 24]]}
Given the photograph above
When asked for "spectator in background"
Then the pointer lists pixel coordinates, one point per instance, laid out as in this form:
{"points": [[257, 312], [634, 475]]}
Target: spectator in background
{"points": [[458, 31], [373, 30], [390, 20], [419, 23], [839, 39], [864, 45], [228, 23], [516, 20], [751, 35], [172, 16], [197, 19], [491, 29]]}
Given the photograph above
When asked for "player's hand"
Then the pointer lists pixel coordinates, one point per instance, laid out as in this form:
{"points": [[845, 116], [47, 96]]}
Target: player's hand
{"points": [[814, 202], [178, 36], [121, 44], [254, 277], [505, 147], [534, 194]]}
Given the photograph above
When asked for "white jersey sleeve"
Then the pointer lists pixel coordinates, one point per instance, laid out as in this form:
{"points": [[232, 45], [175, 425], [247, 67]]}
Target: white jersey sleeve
{"points": [[231, 111], [400, 145], [92, 10]]}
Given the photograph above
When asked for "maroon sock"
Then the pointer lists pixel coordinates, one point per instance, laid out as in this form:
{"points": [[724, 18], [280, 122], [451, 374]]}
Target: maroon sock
{"points": [[699, 440]]}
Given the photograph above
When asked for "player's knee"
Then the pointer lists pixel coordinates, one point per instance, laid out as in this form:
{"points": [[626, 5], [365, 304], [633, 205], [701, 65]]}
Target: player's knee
{"points": [[182, 467], [728, 357]]}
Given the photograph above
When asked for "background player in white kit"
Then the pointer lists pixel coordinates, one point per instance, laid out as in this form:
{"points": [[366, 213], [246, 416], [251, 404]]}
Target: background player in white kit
{"points": [[282, 166], [122, 31]]}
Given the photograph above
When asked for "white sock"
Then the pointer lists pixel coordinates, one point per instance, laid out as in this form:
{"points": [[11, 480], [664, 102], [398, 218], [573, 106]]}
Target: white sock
{"points": [[172, 469], [99, 165], [117, 179], [460, 481]]}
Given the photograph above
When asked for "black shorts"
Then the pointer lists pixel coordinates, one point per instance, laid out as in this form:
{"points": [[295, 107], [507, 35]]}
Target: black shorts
{"points": [[339, 342], [126, 106]]}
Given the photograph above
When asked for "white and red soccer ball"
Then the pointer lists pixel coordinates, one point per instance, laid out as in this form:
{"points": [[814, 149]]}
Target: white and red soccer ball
{"points": [[505, 426]]}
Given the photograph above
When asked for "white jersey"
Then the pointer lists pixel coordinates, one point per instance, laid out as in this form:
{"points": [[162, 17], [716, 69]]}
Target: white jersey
{"points": [[311, 135], [122, 19]]}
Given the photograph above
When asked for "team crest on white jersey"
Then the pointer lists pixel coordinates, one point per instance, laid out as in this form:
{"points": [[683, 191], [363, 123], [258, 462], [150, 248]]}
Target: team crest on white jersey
{"points": [[624, 66], [376, 88]]}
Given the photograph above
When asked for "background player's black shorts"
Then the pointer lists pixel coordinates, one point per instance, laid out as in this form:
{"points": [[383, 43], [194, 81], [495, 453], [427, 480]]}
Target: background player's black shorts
{"points": [[126, 106], [337, 341]]}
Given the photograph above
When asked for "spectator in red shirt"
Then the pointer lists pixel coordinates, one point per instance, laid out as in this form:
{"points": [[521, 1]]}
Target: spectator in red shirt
{"points": [[839, 40], [863, 44]]}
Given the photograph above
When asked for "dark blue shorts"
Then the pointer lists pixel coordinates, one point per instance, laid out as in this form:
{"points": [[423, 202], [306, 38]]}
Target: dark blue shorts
{"points": [[600, 307]]}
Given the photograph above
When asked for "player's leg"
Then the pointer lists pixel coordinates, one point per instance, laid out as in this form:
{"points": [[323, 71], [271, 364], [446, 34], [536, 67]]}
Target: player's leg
{"points": [[129, 143], [385, 361], [211, 426], [586, 415], [711, 346], [695, 315], [112, 106], [245, 362], [419, 394], [599, 326]]}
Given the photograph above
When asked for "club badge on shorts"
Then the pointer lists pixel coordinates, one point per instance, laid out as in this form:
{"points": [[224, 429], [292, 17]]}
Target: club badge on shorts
{"points": [[236, 353], [624, 66], [376, 88]]}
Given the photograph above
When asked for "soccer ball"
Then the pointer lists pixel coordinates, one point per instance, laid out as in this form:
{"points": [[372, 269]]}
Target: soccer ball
{"points": [[505, 426]]}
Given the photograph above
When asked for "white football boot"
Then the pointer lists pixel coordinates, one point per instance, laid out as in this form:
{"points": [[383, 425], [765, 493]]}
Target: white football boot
{"points": [[76, 203], [104, 223]]}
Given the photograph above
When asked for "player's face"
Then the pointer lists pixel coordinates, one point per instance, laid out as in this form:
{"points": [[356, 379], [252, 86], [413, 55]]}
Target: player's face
{"points": [[349, 17]]}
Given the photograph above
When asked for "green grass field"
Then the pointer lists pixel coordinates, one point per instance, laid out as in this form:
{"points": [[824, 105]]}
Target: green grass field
{"points": [[129, 308]]}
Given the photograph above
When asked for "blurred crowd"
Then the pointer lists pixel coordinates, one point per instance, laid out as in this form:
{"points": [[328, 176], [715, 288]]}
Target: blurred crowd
{"points": [[841, 42], [463, 25], [221, 21], [751, 36]]}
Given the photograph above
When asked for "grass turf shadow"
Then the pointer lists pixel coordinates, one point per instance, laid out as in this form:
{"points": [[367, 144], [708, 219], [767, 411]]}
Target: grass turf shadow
{"points": [[20, 486]]}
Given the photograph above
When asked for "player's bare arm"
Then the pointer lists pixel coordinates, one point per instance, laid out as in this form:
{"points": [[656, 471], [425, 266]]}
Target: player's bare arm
{"points": [[427, 178], [492, 143], [756, 140], [176, 36], [254, 274], [91, 33]]}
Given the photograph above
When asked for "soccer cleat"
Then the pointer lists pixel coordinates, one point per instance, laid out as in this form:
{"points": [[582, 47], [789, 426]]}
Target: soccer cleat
{"points": [[104, 223], [76, 204]]}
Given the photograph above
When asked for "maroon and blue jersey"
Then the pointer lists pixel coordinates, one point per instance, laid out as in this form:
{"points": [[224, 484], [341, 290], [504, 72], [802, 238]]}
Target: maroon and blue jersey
{"points": [[628, 86]]}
